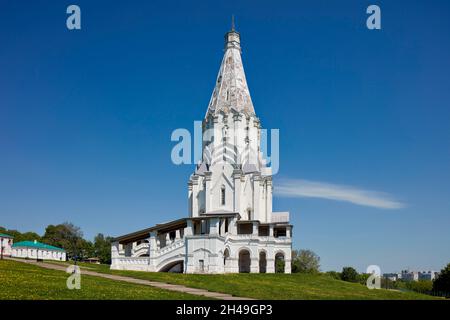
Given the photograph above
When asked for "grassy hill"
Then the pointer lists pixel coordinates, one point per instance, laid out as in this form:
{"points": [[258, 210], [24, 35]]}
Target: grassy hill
{"points": [[24, 281], [270, 286]]}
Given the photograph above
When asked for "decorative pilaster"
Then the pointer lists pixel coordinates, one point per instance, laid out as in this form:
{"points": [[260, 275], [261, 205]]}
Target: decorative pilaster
{"points": [[195, 196], [268, 215], [152, 244], [237, 174], [190, 198], [208, 195], [214, 226], [256, 197], [255, 228], [188, 231]]}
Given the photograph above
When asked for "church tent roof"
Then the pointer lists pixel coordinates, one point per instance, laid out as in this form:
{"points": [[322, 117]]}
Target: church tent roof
{"points": [[231, 92]]}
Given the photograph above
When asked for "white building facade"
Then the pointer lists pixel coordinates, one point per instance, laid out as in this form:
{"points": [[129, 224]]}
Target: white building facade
{"points": [[37, 250], [6, 242], [231, 226]]}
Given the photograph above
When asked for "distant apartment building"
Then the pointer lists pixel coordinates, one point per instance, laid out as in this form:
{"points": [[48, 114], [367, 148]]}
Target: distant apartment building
{"points": [[407, 275], [391, 276], [428, 275]]}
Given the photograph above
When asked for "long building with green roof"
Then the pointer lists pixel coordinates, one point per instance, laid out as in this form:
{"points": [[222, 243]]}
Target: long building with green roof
{"points": [[37, 250]]}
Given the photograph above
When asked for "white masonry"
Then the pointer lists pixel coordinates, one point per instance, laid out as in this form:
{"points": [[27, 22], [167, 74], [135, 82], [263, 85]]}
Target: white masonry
{"points": [[231, 226]]}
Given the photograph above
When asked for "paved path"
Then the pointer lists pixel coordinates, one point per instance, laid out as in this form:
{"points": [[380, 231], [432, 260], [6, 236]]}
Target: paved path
{"points": [[156, 284]]}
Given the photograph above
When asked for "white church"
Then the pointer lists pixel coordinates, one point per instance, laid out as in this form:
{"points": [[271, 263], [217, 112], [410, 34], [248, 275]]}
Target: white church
{"points": [[231, 226]]}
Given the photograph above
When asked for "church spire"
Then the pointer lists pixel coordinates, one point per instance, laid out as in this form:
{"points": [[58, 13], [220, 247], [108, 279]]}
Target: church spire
{"points": [[231, 91]]}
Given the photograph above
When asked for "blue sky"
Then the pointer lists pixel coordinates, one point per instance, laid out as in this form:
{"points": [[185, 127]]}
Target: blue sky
{"points": [[86, 116]]}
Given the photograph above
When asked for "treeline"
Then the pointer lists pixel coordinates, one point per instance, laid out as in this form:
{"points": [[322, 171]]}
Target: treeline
{"points": [[70, 238]]}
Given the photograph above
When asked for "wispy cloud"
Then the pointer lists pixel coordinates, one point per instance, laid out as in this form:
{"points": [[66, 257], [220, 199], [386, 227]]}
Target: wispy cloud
{"points": [[314, 189]]}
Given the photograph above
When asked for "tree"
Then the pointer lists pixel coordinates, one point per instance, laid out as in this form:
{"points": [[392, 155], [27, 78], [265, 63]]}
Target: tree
{"points": [[305, 261], [86, 249], [102, 248], [66, 236], [349, 274], [18, 236], [441, 284]]}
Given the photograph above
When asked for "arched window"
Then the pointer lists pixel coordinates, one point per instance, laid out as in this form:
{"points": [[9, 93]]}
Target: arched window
{"points": [[226, 256], [249, 214], [222, 195]]}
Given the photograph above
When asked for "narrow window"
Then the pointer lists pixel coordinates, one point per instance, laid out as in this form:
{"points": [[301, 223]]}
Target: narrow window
{"points": [[222, 195]]}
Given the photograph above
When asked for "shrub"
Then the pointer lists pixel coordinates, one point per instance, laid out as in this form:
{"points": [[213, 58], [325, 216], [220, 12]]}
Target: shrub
{"points": [[349, 274]]}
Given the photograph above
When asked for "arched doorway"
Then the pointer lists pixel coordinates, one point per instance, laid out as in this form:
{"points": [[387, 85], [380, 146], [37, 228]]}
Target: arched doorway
{"points": [[262, 262], [244, 261], [279, 262]]}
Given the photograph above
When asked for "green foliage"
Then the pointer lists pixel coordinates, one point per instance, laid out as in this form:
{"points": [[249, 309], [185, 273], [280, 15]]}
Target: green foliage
{"points": [[305, 261], [362, 278], [334, 274], [18, 236], [421, 286], [279, 265], [389, 284], [70, 237], [349, 274], [441, 285], [66, 236], [102, 248]]}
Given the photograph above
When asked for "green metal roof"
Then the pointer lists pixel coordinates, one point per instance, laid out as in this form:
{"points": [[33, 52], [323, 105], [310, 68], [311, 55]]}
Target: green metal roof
{"points": [[4, 235], [38, 245]]}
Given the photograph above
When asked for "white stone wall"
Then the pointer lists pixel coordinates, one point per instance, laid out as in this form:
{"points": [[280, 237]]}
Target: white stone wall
{"points": [[34, 253]]}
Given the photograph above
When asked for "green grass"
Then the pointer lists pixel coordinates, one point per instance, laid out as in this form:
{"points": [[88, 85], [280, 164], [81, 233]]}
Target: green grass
{"points": [[24, 281], [270, 286]]}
